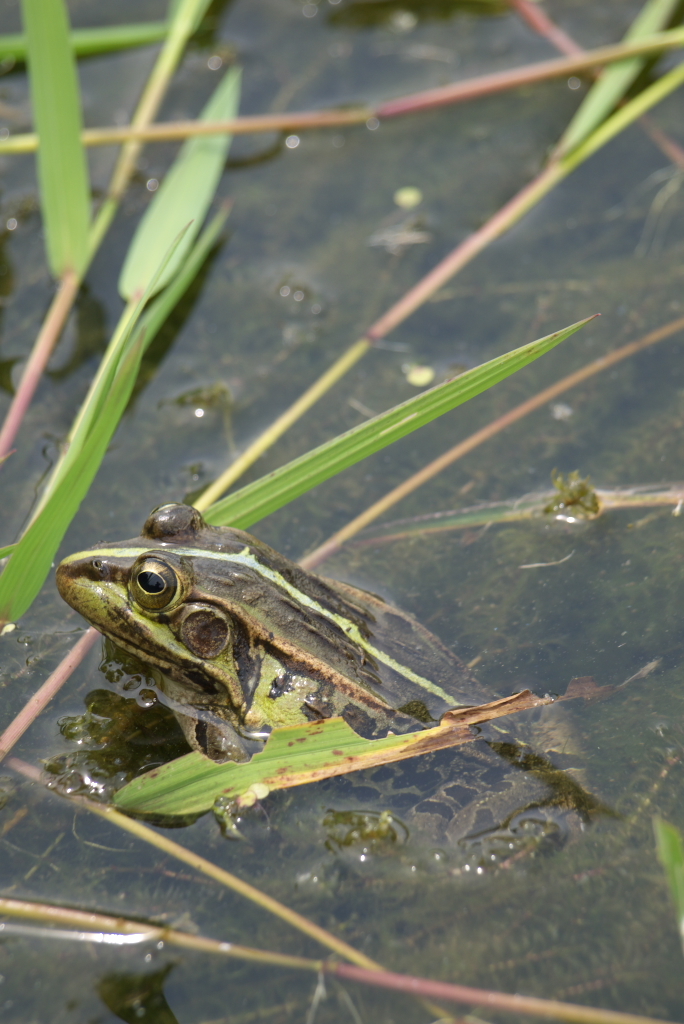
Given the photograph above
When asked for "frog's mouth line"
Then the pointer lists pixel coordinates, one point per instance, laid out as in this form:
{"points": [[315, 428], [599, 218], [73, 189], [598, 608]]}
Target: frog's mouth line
{"points": [[105, 605]]}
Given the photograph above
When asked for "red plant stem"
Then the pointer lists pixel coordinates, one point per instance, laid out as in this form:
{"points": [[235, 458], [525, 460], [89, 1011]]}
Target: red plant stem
{"points": [[503, 219], [549, 1008], [665, 144], [557, 67], [44, 695], [539, 22], [45, 342]]}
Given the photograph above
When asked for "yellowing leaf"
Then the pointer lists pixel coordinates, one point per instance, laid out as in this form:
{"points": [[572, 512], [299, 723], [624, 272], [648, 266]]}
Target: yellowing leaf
{"points": [[298, 755]]}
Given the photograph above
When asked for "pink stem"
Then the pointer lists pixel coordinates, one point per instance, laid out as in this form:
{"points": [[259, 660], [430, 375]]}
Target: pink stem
{"points": [[540, 22], [466, 251], [42, 350], [672, 150], [424, 987], [44, 695]]}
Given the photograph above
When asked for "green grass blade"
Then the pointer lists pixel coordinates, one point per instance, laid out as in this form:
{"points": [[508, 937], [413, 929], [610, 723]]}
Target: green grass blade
{"points": [[97, 393], [623, 117], [86, 41], [32, 558], [298, 755], [94, 406], [160, 308], [614, 82], [93, 429], [671, 856], [190, 784], [271, 492], [62, 169], [184, 196]]}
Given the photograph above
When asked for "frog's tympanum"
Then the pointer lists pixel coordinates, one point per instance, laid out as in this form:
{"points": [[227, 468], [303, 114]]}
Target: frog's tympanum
{"points": [[248, 641]]}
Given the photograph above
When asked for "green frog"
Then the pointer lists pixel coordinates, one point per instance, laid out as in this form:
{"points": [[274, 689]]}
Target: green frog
{"points": [[248, 641]]}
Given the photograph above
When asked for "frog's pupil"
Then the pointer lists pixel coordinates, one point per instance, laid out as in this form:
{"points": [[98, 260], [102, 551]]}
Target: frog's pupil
{"points": [[151, 582]]}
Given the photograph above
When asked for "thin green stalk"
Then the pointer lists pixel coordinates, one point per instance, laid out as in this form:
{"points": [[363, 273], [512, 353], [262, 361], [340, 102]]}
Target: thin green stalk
{"points": [[612, 85], [86, 41], [182, 27]]}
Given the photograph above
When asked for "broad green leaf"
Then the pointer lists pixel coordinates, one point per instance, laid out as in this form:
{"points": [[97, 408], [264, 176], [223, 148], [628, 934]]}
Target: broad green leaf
{"points": [[62, 168], [183, 197], [614, 82], [298, 755], [85, 41], [671, 856], [4, 552], [271, 492]]}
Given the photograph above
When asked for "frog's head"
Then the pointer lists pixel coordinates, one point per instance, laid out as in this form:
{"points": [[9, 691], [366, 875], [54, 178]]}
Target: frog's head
{"points": [[150, 596]]}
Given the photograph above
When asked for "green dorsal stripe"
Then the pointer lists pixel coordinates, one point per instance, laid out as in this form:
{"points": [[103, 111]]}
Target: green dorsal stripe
{"points": [[246, 558]]}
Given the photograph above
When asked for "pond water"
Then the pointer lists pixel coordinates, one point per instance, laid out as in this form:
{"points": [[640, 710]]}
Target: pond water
{"points": [[571, 905]]}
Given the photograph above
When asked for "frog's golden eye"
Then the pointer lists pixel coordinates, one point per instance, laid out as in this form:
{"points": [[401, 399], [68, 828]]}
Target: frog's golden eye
{"points": [[154, 584]]}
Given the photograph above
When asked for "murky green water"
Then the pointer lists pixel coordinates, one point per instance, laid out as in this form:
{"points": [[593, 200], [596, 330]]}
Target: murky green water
{"points": [[583, 915]]}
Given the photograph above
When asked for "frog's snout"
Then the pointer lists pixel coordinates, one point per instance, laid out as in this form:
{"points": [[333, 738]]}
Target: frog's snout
{"points": [[78, 573]]}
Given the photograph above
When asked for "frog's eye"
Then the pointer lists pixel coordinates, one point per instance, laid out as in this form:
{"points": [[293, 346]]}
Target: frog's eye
{"points": [[154, 584]]}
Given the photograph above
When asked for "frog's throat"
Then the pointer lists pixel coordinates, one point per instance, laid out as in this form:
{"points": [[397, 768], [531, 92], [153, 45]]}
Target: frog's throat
{"points": [[246, 558]]}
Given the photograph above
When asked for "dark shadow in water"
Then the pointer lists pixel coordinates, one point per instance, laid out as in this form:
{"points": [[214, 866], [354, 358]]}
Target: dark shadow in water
{"points": [[137, 997], [91, 334], [156, 353], [211, 22]]}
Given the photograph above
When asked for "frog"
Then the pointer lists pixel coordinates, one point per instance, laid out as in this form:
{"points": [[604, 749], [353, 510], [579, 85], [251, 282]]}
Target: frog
{"points": [[247, 641]]}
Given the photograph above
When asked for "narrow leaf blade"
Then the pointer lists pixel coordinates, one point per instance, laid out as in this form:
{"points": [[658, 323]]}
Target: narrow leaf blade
{"points": [[614, 82], [62, 169], [93, 40], [298, 755], [32, 556], [31, 560], [271, 492], [671, 856], [184, 196]]}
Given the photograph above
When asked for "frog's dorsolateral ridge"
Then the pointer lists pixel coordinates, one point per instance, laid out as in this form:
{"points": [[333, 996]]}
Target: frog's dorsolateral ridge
{"points": [[247, 640]]}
